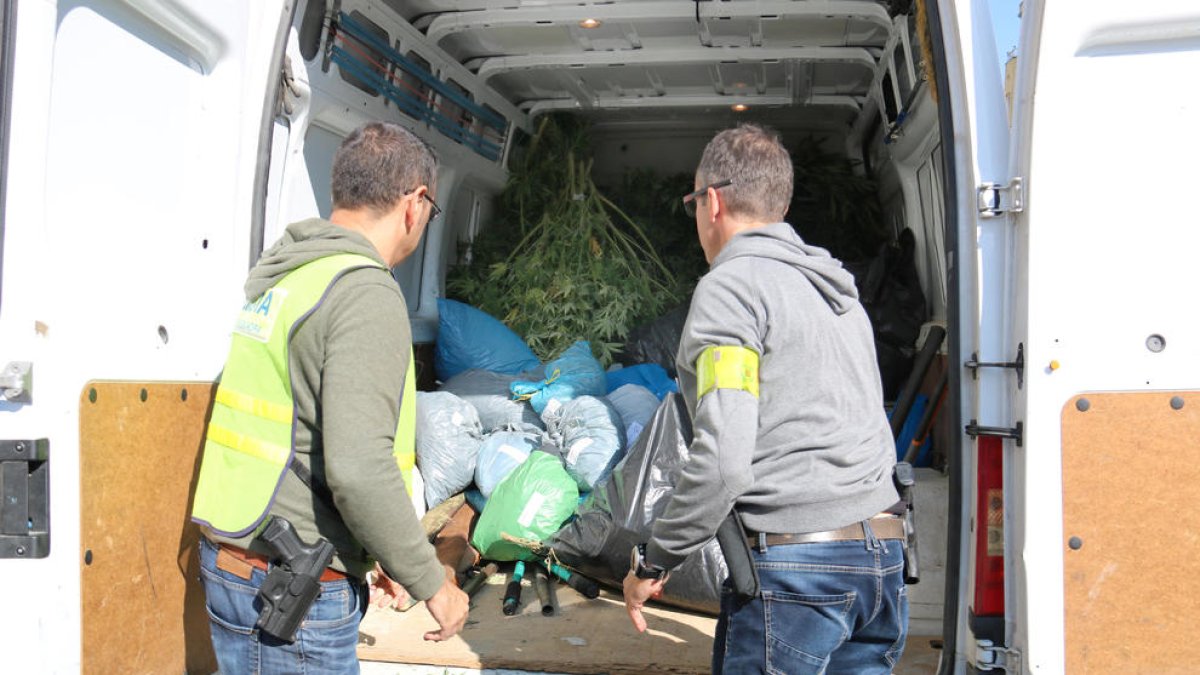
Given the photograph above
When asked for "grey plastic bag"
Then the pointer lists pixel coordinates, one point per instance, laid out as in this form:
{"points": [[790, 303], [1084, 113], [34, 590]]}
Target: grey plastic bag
{"points": [[589, 435], [448, 439], [621, 510], [489, 393]]}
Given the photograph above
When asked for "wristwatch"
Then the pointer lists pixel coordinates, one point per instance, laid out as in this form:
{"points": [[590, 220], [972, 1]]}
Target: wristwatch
{"points": [[640, 568]]}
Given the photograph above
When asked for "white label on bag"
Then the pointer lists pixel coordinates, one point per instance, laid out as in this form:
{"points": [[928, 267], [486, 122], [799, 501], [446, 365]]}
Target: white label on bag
{"points": [[513, 452], [578, 447], [552, 407], [531, 508], [456, 419]]}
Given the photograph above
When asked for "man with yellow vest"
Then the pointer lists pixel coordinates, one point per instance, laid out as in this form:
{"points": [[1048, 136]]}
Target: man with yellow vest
{"points": [[777, 366], [313, 422]]}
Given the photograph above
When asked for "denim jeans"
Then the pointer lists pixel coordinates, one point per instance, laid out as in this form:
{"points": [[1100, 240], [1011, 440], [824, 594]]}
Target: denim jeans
{"points": [[326, 642], [831, 607]]}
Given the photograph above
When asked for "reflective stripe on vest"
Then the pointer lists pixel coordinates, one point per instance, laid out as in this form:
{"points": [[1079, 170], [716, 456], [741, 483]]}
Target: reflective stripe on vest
{"points": [[727, 368], [249, 441]]}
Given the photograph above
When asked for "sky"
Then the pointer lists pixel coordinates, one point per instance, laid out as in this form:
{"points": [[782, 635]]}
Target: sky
{"points": [[1005, 25]]}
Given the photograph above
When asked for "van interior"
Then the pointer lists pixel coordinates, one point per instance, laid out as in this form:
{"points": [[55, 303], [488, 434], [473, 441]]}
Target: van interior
{"points": [[849, 84]]}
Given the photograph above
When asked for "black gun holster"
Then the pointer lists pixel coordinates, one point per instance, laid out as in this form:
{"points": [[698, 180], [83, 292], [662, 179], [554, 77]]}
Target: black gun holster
{"points": [[743, 576], [294, 581], [905, 482]]}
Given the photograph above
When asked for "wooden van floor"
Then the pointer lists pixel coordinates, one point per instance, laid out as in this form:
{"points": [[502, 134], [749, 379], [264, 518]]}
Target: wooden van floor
{"points": [[585, 636]]}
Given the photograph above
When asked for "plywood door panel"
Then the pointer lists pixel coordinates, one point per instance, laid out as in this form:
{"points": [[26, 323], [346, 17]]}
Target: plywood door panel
{"points": [[1131, 549], [143, 607]]}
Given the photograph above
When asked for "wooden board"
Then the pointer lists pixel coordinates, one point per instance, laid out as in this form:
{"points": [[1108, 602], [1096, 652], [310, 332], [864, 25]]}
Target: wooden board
{"points": [[586, 636], [1131, 467], [142, 603]]}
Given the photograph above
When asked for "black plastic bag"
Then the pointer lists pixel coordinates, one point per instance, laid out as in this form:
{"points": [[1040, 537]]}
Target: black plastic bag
{"points": [[890, 293], [622, 510], [656, 341]]}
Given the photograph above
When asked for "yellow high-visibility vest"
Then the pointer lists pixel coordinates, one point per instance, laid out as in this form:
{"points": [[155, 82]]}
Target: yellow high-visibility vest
{"points": [[249, 442]]}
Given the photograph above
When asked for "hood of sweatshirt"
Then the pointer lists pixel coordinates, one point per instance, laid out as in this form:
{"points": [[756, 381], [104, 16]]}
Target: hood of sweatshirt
{"points": [[301, 243], [778, 241]]}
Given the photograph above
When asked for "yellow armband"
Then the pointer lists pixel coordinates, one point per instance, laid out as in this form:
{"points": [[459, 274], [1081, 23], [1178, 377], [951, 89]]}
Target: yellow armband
{"points": [[727, 368]]}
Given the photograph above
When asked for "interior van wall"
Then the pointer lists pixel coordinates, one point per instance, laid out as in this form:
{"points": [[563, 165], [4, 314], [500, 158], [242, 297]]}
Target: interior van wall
{"points": [[618, 150]]}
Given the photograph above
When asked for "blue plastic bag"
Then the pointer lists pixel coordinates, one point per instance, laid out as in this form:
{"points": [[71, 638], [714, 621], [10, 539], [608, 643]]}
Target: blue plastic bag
{"points": [[575, 373], [472, 339], [500, 453], [636, 405], [649, 375]]}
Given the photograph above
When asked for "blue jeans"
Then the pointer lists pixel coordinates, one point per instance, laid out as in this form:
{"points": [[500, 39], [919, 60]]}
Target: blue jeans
{"points": [[326, 642], [832, 607]]}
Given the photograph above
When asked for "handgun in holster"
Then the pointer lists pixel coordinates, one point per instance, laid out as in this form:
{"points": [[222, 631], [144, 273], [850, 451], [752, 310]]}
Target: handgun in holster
{"points": [[294, 581], [905, 481]]}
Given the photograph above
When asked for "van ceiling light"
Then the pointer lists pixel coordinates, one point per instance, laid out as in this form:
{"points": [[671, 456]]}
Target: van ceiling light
{"points": [[740, 107], [589, 23]]}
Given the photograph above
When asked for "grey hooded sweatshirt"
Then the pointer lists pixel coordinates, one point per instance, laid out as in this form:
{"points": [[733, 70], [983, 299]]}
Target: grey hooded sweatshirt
{"points": [[348, 361], [814, 451]]}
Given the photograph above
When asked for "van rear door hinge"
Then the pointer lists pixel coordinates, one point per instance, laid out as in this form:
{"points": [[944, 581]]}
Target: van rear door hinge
{"points": [[995, 199], [989, 656], [1016, 433], [16, 382]]}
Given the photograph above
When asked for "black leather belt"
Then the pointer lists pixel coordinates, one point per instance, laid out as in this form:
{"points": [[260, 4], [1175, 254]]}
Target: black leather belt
{"points": [[885, 526]]}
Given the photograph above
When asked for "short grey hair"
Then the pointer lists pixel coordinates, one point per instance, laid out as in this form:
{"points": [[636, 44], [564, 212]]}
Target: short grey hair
{"points": [[377, 164], [760, 167]]}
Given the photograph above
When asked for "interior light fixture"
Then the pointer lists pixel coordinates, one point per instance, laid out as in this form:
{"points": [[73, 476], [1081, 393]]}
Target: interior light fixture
{"points": [[589, 23], [740, 107]]}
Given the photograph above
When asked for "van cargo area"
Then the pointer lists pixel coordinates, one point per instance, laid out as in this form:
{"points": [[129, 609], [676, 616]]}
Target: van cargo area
{"points": [[850, 86]]}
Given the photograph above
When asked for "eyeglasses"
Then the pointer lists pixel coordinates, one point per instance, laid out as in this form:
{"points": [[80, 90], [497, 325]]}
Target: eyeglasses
{"points": [[689, 200], [437, 210]]}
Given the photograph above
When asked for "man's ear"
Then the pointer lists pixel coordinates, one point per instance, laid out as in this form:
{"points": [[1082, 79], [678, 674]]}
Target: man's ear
{"points": [[412, 210], [715, 206]]}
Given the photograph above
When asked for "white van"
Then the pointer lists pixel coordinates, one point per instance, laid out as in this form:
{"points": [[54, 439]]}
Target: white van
{"points": [[152, 148]]}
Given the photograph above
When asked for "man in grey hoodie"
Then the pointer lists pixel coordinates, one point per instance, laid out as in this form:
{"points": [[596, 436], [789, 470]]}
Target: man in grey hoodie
{"points": [[347, 362], [777, 365]]}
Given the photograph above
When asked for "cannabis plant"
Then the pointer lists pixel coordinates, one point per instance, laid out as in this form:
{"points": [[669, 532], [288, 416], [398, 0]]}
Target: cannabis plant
{"points": [[581, 269]]}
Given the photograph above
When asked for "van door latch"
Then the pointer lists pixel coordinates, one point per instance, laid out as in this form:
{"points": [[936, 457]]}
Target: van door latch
{"points": [[989, 656], [995, 199], [1017, 364], [24, 498], [16, 382]]}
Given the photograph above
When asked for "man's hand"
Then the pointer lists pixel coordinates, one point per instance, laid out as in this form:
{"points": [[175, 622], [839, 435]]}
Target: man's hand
{"points": [[637, 592], [449, 608], [385, 592]]}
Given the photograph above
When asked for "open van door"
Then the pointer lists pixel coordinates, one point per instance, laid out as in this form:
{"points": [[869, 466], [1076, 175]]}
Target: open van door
{"points": [[136, 135], [1105, 529], [979, 247]]}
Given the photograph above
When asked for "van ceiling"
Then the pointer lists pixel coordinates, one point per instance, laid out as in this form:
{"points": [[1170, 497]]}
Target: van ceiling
{"points": [[798, 64]]}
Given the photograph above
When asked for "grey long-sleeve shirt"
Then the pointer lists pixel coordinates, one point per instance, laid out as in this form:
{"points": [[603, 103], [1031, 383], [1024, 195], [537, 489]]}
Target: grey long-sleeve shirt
{"points": [[814, 451], [348, 362]]}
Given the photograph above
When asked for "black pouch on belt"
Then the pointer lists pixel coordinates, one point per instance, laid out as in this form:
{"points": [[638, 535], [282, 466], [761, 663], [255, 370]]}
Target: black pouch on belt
{"points": [[731, 536]]}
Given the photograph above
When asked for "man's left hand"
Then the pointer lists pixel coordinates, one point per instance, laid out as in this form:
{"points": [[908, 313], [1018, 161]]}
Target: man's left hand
{"points": [[637, 591], [387, 593]]}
